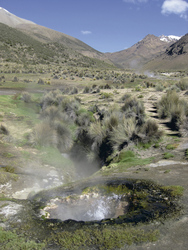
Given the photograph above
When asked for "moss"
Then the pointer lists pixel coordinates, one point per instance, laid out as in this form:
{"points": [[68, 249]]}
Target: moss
{"points": [[174, 190], [171, 146], [10, 240], [8, 155], [167, 155], [107, 189], [186, 154], [123, 161], [103, 238]]}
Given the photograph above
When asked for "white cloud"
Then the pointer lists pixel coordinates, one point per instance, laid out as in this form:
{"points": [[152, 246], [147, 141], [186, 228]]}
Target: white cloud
{"points": [[178, 7], [86, 32], [135, 1]]}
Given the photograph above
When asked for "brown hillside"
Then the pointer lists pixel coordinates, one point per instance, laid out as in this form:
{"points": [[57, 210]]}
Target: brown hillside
{"points": [[174, 58], [140, 53]]}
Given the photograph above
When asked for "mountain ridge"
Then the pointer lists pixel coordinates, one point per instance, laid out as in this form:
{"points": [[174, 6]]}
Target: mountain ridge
{"points": [[140, 53], [46, 35], [148, 53], [175, 57]]}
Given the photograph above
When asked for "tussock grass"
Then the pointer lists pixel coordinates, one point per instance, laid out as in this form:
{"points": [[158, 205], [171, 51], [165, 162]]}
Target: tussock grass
{"points": [[172, 106], [43, 135]]}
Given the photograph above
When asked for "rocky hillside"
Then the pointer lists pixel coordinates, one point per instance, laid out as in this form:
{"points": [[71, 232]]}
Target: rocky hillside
{"points": [[174, 58], [18, 47], [140, 53], [46, 35]]}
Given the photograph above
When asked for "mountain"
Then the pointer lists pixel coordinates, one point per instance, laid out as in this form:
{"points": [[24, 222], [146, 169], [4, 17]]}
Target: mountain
{"points": [[22, 49], [170, 38], [174, 58], [140, 53], [46, 35], [11, 20]]}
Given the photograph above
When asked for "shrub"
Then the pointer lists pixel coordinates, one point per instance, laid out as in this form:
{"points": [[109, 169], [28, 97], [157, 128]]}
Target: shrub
{"points": [[124, 133], [183, 84], [159, 87], [105, 95], [43, 135], [165, 104], [15, 79], [134, 108], [177, 114], [26, 97], [86, 90], [41, 81], [51, 113], [167, 155], [150, 131], [184, 127], [97, 132], [125, 97], [4, 130], [74, 91], [173, 107], [84, 118], [48, 99], [64, 137]]}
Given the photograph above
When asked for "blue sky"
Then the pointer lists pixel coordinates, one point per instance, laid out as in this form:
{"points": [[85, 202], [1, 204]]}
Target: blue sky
{"points": [[106, 25]]}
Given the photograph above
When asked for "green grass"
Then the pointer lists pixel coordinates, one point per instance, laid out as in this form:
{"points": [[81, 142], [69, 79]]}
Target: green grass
{"points": [[123, 161], [171, 146], [174, 190], [17, 108], [105, 238], [10, 240], [167, 155]]}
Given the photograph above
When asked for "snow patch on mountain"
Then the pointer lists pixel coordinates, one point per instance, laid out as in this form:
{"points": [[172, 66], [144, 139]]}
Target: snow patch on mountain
{"points": [[10, 19], [170, 38], [4, 9]]}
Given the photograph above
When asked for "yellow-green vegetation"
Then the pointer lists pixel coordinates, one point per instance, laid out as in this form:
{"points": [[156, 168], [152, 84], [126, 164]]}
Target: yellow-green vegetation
{"points": [[174, 107], [104, 238], [174, 190], [107, 189], [171, 146], [167, 155], [10, 240], [123, 161], [186, 154]]}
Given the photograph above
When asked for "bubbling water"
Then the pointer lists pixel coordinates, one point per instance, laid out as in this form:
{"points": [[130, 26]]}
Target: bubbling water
{"points": [[87, 207]]}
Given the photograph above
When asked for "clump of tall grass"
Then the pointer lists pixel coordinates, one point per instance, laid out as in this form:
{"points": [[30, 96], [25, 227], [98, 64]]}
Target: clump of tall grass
{"points": [[159, 87], [149, 131], [125, 97], [184, 127], [4, 130], [134, 108], [43, 135], [51, 113], [70, 106], [86, 90], [74, 91], [183, 84], [52, 98], [26, 97], [172, 106], [166, 103], [124, 133], [84, 118], [64, 136]]}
